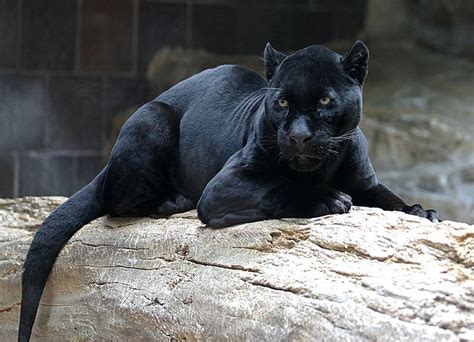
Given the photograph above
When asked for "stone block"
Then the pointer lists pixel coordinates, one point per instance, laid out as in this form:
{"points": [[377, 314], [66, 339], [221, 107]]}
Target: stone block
{"points": [[87, 167], [271, 3], [46, 173], [7, 175], [75, 120], [214, 29], [289, 26], [9, 33], [48, 34], [311, 27], [122, 93], [106, 35], [23, 111], [339, 4], [259, 25], [348, 21], [159, 25]]}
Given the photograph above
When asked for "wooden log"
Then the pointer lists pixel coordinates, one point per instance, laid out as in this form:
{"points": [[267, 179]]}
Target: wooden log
{"points": [[368, 275]]}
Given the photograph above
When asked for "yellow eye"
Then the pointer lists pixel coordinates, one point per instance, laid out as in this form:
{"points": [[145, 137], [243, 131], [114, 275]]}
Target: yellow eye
{"points": [[283, 103], [324, 100]]}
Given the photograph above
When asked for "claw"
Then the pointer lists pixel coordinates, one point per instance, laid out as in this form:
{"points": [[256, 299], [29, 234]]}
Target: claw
{"points": [[417, 210], [334, 202]]}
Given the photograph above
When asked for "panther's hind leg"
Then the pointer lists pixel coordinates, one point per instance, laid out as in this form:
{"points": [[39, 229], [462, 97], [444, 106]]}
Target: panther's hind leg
{"points": [[141, 173], [158, 208], [175, 205]]}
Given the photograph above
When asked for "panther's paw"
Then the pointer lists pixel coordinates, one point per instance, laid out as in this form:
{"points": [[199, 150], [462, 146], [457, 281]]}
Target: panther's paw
{"points": [[174, 205], [333, 202], [418, 210]]}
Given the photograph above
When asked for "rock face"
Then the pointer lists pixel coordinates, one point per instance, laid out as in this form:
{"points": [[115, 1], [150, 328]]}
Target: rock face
{"points": [[367, 275], [419, 122], [447, 25]]}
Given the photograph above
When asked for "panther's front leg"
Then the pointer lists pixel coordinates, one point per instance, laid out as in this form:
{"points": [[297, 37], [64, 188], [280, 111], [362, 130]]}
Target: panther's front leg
{"points": [[356, 177], [382, 197], [240, 193]]}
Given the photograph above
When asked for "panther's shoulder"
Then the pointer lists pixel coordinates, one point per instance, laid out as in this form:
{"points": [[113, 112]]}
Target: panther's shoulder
{"points": [[239, 73]]}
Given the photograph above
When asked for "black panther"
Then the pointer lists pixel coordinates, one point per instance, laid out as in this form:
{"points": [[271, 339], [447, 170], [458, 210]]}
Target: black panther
{"points": [[236, 146]]}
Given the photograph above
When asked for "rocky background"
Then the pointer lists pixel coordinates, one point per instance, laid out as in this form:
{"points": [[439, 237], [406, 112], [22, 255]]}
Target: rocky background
{"points": [[62, 103], [368, 275]]}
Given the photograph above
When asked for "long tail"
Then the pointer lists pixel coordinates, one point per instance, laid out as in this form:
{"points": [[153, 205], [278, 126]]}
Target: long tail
{"points": [[83, 207]]}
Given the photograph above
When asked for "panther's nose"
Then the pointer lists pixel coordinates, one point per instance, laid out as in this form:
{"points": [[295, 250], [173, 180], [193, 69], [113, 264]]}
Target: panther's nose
{"points": [[300, 138]]}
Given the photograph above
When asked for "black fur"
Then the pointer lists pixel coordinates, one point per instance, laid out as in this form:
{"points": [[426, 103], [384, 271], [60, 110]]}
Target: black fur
{"points": [[237, 146]]}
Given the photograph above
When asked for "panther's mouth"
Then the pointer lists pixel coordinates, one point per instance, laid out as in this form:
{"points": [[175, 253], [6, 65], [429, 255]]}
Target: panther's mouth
{"points": [[305, 162], [304, 156]]}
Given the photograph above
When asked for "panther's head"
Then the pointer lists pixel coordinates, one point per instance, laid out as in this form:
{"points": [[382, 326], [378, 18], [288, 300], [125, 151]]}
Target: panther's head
{"points": [[314, 101]]}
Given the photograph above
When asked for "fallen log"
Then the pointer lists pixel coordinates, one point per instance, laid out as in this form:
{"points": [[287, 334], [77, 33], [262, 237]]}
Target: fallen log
{"points": [[368, 275]]}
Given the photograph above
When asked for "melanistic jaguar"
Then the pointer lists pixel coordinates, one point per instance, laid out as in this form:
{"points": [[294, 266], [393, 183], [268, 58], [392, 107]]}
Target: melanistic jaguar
{"points": [[236, 146]]}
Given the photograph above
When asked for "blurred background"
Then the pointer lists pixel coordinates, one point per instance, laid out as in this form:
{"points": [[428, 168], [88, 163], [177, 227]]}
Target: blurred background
{"points": [[72, 71]]}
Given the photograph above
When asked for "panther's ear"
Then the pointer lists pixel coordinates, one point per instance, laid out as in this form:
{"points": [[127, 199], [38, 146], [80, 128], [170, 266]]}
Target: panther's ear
{"points": [[272, 59], [355, 62]]}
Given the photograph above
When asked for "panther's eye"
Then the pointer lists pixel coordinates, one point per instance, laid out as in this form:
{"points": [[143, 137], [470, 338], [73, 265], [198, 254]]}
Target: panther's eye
{"points": [[283, 103], [324, 100]]}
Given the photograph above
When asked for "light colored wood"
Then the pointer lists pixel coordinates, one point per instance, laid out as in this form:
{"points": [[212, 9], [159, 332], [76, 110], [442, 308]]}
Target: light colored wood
{"points": [[367, 275]]}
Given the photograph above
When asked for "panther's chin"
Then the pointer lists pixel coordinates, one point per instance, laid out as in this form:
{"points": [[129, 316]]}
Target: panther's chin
{"points": [[303, 163]]}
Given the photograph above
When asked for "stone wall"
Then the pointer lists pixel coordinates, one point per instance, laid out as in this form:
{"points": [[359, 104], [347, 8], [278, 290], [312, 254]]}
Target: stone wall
{"points": [[67, 66], [419, 120]]}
